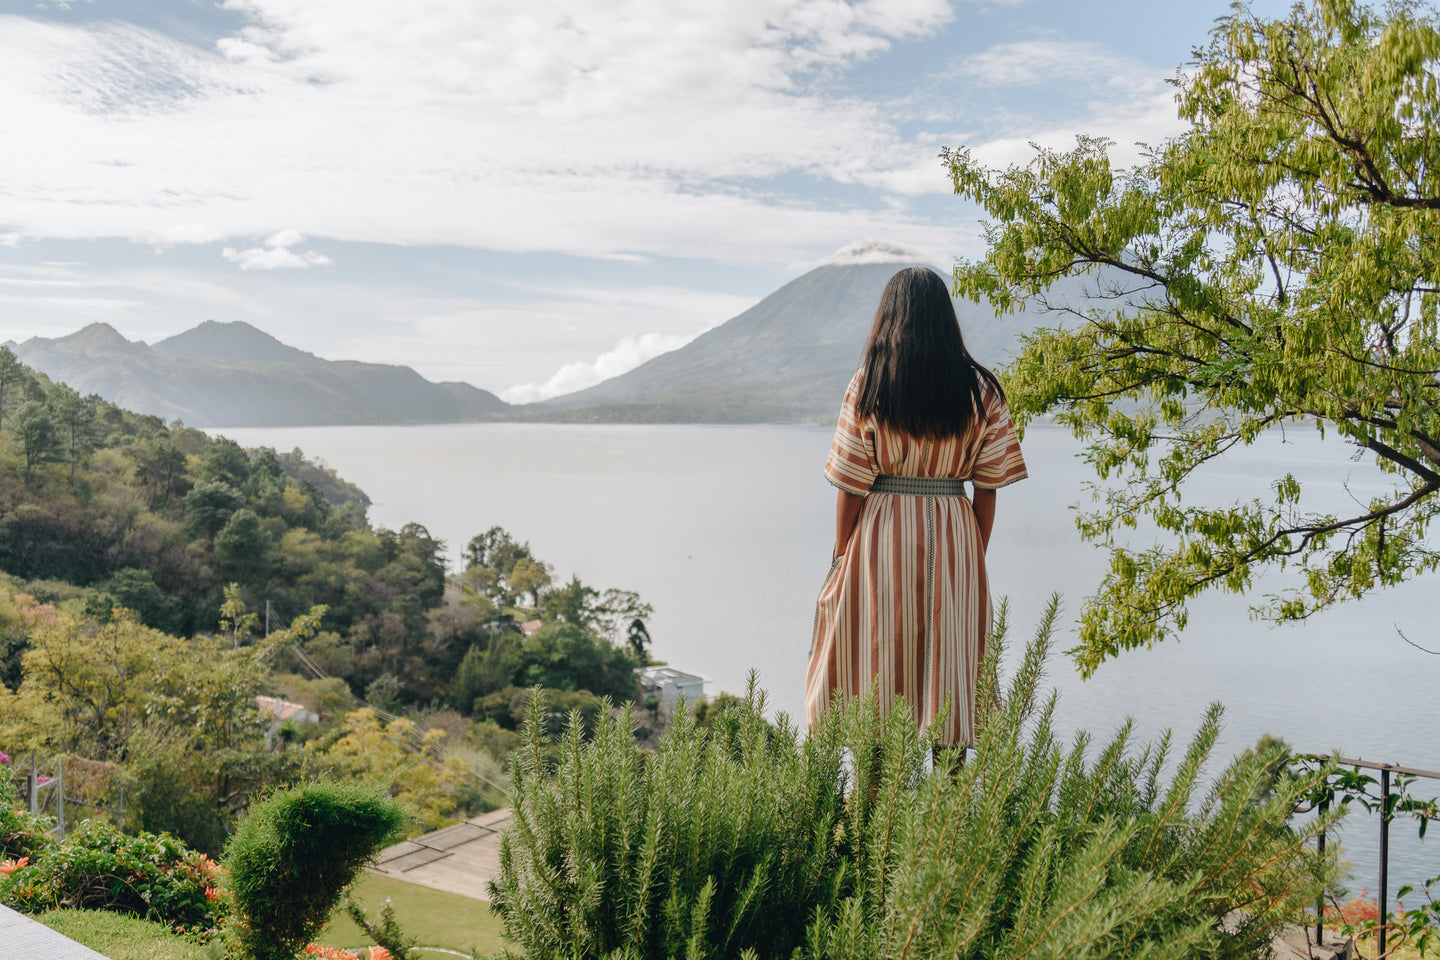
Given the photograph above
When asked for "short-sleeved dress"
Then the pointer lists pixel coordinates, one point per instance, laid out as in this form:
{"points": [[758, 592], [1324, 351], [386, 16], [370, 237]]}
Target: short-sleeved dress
{"points": [[905, 610]]}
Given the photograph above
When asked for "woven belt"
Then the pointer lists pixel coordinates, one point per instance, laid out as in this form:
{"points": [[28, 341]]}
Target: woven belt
{"points": [[919, 486]]}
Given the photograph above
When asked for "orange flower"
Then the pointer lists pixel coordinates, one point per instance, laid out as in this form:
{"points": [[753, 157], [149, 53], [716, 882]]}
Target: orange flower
{"points": [[327, 952], [10, 866], [379, 953]]}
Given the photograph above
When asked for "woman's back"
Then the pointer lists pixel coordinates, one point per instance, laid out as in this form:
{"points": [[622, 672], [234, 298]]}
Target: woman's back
{"points": [[865, 447]]}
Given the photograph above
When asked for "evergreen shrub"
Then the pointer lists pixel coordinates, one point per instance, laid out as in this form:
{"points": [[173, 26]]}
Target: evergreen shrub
{"points": [[294, 855], [743, 840]]}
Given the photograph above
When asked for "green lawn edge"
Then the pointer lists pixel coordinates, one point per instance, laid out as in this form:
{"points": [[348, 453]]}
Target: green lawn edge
{"points": [[435, 918]]}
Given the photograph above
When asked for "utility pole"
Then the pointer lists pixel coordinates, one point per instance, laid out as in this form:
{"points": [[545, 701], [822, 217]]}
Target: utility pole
{"points": [[267, 619]]}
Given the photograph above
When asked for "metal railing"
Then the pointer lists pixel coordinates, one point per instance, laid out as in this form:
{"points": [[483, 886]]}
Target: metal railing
{"points": [[35, 783], [1386, 769]]}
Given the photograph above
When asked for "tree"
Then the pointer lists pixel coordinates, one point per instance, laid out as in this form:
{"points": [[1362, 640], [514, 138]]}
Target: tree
{"points": [[243, 546], [622, 609], [637, 638], [484, 670], [36, 435], [528, 577], [1275, 265], [161, 468], [88, 687], [209, 506], [225, 460], [12, 372], [573, 603], [75, 421], [136, 591], [564, 657]]}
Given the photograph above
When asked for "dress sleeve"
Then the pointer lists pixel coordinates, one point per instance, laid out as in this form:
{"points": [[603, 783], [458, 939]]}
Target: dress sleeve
{"points": [[1000, 461], [851, 465]]}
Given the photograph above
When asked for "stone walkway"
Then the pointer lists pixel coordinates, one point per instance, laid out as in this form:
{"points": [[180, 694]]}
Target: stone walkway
{"points": [[24, 939], [458, 859]]}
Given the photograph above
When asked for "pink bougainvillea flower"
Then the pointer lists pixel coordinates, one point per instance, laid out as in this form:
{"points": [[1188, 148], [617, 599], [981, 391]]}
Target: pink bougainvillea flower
{"points": [[4, 757]]}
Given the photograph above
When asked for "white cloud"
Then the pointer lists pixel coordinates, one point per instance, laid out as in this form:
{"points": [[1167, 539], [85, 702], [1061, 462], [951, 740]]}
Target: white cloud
{"points": [[1046, 61], [593, 127], [626, 355], [1073, 88], [276, 254], [1148, 120]]}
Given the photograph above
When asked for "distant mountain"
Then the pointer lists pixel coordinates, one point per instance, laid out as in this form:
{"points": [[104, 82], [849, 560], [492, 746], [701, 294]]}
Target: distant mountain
{"points": [[786, 359], [233, 375], [234, 342]]}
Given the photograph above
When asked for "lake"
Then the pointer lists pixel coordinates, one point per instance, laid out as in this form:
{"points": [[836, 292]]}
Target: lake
{"points": [[727, 530]]}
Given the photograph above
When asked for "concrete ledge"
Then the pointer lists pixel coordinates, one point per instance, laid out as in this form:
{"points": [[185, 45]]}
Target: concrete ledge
{"points": [[24, 939]]}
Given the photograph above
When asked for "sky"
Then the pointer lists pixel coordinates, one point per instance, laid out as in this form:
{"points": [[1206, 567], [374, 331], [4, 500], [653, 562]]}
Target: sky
{"points": [[526, 195]]}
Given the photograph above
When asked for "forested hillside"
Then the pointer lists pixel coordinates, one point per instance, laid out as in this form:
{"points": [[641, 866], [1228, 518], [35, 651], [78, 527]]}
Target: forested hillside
{"points": [[154, 580]]}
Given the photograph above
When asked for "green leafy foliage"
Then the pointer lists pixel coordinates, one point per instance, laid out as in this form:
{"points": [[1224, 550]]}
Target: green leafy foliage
{"points": [[565, 657], [385, 932], [509, 707], [102, 498], [293, 857], [147, 875], [1273, 265], [179, 714], [21, 835], [742, 840]]}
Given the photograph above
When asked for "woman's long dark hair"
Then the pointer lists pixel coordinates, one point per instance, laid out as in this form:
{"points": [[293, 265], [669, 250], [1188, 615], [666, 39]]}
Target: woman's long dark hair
{"points": [[917, 376]]}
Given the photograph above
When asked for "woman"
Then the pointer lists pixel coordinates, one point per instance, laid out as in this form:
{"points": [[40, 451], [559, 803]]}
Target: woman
{"points": [[906, 605]]}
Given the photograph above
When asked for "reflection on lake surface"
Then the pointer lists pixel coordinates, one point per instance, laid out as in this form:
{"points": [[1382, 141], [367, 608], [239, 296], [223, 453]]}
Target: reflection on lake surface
{"points": [[727, 531]]}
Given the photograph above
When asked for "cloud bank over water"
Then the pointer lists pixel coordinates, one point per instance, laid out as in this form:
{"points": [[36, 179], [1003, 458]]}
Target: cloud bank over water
{"points": [[625, 356]]}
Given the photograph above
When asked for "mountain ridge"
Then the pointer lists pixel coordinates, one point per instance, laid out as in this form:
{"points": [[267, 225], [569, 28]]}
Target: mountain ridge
{"points": [[787, 359], [236, 375], [236, 341]]}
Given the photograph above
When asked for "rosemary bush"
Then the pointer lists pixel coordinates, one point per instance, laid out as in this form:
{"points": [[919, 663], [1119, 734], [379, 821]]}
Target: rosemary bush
{"points": [[742, 840], [719, 842], [292, 858]]}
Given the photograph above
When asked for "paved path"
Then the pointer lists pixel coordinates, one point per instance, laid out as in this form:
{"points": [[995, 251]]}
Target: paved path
{"points": [[458, 859], [24, 939]]}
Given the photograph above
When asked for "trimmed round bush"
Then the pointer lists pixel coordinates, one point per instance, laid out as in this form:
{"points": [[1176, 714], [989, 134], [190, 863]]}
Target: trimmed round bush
{"points": [[294, 855]]}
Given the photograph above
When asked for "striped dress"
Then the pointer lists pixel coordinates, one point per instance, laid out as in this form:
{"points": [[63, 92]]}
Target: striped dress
{"points": [[905, 610]]}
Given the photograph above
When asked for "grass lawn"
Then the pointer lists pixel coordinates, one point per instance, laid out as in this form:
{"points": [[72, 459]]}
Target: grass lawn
{"points": [[123, 938], [435, 918]]}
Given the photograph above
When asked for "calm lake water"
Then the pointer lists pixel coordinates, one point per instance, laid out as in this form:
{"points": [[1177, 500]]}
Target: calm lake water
{"points": [[727, 531]]}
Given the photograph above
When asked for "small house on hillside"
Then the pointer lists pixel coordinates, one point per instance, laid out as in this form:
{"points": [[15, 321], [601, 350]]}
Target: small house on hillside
{"points": [[668, 685], [277, 711], [531, 627]]}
